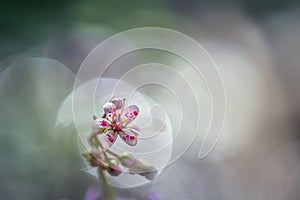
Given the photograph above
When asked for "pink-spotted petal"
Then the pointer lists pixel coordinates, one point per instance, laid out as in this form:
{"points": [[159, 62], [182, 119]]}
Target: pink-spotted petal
{"points": [[110, 111], [128, 137], [109, 107], [129, 114], [111, 137], [111, 116], [101, 123]]}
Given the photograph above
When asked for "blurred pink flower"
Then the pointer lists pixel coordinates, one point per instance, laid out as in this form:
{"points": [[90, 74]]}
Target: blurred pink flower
{"points": [[154, 196], [92, 193]]}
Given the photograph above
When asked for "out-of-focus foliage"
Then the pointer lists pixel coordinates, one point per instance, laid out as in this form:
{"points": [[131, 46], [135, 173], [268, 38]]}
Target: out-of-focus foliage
{"points": [[24, 24], [27, 24]]}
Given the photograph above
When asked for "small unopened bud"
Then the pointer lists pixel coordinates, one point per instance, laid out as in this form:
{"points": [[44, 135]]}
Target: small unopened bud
{"points": [[149, 172], [91, 158], [95, 152], [114, 168], [88, 155], [150, 175], [127, 160], [117, 101]]}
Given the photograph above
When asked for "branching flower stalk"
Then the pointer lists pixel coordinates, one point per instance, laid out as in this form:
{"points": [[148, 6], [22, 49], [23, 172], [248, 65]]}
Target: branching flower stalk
{"points": [[115, 122]]}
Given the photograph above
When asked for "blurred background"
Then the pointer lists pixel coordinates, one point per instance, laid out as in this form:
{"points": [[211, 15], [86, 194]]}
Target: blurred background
{"points": [[256, 45]]}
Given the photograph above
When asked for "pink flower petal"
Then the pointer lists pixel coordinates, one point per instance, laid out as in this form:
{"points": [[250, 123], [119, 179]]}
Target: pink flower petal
{"points": [[129, 114], [128, 137], [110, 111], [111, 137], [102, 123]]}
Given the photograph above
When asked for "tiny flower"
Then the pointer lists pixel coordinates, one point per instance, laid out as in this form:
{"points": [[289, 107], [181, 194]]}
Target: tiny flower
{"points": [[114, 123], [92, 193]]}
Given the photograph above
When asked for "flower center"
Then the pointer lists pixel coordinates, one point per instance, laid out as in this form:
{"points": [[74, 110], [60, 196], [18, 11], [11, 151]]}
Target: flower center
{"points": [[116, 126]]}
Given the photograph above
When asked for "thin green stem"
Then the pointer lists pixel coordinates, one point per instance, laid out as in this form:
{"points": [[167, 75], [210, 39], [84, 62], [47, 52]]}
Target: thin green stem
{"points": [[112, 153], [108, 191]]}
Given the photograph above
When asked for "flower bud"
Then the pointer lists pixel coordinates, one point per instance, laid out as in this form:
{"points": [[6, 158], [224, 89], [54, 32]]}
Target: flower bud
{"points": [[127, 160], [149, 172], [114, 168], [95, 152], [88, 155], [150, 175], [91, 158], [118, 102]]}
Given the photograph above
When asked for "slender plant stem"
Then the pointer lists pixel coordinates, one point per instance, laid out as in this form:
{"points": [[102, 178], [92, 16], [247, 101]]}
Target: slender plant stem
{"points": [[95, 143], [112, 153], [108, 191]]}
